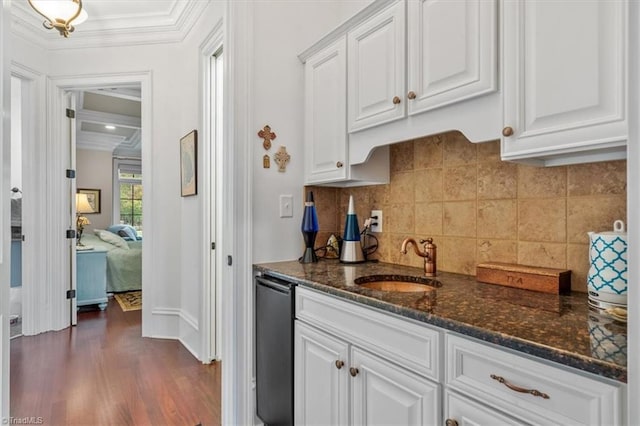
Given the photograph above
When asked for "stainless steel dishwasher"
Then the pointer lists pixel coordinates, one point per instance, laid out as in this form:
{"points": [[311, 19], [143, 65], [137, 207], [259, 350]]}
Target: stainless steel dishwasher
{"points": [[274, 350]]}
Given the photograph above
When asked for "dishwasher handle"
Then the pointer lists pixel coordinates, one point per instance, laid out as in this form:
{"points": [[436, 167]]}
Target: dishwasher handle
{"points": [[277, 286]]}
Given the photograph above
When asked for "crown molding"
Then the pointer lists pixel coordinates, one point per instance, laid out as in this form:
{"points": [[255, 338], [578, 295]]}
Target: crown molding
{"points": [[171, 26]]}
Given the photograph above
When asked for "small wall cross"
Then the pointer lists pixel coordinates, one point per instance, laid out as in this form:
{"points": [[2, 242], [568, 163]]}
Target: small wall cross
{"points": [[282, 158], [268, 136]]}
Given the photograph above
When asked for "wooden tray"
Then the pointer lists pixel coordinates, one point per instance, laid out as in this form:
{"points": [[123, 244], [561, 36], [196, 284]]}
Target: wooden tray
{"points": [[546, 280]]}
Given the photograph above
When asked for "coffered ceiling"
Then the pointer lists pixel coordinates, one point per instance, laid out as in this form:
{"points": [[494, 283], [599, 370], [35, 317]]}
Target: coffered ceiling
{"points": [[108, 119]]}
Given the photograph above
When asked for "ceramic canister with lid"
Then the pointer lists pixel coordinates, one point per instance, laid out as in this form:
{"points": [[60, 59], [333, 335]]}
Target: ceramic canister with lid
{"points": [[607, 279]]}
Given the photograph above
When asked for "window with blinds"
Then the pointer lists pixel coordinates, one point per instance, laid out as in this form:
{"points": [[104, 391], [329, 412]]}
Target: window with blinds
{"points": [[129, 179]]}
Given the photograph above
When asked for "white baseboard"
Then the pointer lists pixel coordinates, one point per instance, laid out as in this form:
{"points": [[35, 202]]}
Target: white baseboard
{"points": [[176, 324]]}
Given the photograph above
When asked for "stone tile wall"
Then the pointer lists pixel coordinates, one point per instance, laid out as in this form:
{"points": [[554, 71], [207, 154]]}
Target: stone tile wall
{"points": [[478, 208]]}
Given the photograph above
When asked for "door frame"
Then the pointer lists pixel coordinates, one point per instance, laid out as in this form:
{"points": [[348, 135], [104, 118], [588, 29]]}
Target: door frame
{"points": [[58, 201], [213, 189]]}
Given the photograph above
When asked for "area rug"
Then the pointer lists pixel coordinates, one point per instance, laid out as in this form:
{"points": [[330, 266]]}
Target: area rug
{"points": [[129, 301]]}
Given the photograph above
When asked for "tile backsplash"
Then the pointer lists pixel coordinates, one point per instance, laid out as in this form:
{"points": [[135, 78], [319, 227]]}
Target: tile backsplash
{"points": [[478, 208]]}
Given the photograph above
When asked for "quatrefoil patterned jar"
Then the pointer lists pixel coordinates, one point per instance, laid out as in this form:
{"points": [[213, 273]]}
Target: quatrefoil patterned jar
{"points": [[607, 280]]}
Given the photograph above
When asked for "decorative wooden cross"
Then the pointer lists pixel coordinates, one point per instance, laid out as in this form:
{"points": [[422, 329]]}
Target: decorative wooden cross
{"points": [[268, 136], [282, 158]]}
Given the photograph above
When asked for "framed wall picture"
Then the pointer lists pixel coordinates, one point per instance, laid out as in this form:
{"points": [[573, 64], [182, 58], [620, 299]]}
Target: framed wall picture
{"points": [[188, 164], [93, 196]]}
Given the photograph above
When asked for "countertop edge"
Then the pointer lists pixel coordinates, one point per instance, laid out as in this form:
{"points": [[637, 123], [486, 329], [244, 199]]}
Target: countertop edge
{"points": [[579, 362]]}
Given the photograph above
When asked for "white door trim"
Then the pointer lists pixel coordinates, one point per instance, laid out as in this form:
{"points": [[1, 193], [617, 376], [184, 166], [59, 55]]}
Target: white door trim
{"points": [[33, 159], [58, 201], [5, 235], [214, 183]]}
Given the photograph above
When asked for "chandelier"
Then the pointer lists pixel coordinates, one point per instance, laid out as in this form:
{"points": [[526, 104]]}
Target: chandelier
{"points": [[60, 14]]}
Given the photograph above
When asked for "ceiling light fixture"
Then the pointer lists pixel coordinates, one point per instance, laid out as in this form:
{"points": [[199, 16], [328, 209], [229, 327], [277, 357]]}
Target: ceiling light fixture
{"points": [[109, 127], [60, 14]]}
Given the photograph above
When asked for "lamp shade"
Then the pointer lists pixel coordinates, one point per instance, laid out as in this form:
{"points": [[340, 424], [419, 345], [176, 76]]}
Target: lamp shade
{"points": [[82, 204], [60, 10]]}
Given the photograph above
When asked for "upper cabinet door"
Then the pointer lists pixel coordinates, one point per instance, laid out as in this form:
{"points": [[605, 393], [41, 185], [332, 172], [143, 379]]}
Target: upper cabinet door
{"points": [[452, 51], [565, 80], [326, 115], [376, 69]]}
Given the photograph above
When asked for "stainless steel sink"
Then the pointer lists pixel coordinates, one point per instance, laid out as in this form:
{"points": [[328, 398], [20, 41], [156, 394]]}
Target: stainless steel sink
{"points": [[398, 283]]}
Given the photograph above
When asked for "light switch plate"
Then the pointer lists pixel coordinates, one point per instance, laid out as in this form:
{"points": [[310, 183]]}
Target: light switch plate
{"points": [[286, 206]]}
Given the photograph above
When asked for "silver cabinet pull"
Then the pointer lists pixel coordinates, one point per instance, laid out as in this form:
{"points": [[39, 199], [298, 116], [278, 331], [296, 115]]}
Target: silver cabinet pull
{"points": [[533, 392]]}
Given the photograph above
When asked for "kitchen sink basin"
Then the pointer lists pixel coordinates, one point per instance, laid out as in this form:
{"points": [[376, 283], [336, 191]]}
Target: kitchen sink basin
{"points": [[398, 283]]}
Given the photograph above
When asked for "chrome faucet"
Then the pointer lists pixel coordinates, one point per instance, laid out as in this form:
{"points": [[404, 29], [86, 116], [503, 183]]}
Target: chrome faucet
{"points": [[429, 254]]}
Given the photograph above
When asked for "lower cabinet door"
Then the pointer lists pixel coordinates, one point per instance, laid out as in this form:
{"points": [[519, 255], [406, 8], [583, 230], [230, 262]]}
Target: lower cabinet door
{"points": [[320, 378], [385, 394], [462, 411]]}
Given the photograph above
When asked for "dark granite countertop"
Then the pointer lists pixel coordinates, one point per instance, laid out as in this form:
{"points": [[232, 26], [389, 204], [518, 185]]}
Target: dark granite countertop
{"points": [[562, 328]]}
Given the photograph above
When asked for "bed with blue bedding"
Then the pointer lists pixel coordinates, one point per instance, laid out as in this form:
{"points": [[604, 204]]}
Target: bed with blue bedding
{"points": [[124, 260]]}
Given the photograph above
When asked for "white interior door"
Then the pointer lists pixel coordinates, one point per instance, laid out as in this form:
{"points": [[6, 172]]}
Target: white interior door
{"points": [[69, 129]]}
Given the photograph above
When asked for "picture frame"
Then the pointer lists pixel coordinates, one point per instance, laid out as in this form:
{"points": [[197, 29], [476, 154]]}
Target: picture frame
{"points": [[189, 164], [93, 195]]}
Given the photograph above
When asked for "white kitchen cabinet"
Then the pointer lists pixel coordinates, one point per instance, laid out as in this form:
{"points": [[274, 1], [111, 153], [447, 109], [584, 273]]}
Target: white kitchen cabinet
{"points": [[376, 68], [325, 133], [321, 378], [384, 394], [565, 81], [527, 389], [325, 114], [452, 52], [461, 411], [344, 348]]}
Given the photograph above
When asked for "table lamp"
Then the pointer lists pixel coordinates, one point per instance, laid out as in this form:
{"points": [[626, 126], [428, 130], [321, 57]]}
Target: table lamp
{"points": [[82, 207]]}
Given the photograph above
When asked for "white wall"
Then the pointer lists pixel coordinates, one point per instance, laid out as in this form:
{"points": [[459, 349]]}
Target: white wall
{"points": [[277, 98], [93, 171]]}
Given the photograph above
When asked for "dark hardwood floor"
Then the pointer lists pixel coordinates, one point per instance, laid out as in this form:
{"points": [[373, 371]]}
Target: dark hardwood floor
{"points": [[102, 372]]}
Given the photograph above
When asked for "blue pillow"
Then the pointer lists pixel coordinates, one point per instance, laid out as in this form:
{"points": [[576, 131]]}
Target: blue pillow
{"points": [[127, 232]]}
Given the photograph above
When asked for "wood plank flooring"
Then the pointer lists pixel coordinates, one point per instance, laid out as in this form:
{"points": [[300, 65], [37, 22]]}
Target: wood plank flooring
{"points": [[102, 372]]}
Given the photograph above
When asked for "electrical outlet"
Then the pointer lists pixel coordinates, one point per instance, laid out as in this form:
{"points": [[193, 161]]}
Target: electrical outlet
{"points": [[286, 206], [376, 222]]}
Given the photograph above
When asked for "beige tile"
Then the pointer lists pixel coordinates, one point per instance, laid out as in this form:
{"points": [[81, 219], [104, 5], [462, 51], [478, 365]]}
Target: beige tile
{"points": [[399, 218], [542, 220], [325, 201], [428, 185], [593, 214], [401, 157], [428, 219], [459, 183], [541, 182], [497, 180], [379, 196], [428, 152], [458, 150], [460, 219], [488, 151], [497, 219], [490, 250], [401, 188], [548, 255], [606, 178], [578, 263], [457, 255]]}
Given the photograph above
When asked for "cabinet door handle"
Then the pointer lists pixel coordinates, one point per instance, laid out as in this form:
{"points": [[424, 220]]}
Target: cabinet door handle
{"points": [[353, 371], [507, 131], [533, 392], [339, 164], [339, 364], [451, 422], [396, 100], [411, 95]]}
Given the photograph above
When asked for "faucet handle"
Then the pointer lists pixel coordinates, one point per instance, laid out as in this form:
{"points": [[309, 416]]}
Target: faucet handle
{"points": [[426, 241]]}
